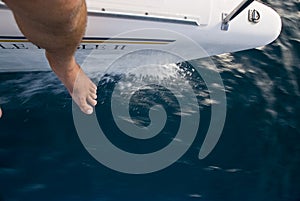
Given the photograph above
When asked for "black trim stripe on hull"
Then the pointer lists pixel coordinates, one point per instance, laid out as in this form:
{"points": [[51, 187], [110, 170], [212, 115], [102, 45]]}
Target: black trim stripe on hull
{"points": [[145, 41]]}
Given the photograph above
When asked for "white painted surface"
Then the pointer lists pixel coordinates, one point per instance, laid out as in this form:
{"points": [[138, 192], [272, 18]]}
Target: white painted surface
{"points": [[241, 34]]}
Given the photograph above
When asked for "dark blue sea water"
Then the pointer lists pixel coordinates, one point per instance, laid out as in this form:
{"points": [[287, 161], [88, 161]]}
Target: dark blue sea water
{"points": [[256, 159]]}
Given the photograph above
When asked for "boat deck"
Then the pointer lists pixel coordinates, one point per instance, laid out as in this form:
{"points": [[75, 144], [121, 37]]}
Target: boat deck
{"points": [[188, 10]]}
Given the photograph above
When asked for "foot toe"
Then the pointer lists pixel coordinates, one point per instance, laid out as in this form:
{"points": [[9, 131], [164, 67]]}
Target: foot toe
{"points": [[87, 110], [92, 101], [93, 90], [93, 96], [84, 106], [94, 87]]}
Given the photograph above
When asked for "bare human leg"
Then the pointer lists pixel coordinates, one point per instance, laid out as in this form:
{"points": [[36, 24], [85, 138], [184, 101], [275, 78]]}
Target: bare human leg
{"points": [[58, 26]]}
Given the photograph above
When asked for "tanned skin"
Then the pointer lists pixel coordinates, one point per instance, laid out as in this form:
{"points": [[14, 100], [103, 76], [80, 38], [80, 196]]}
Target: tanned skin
{"points": [[58, 27]]}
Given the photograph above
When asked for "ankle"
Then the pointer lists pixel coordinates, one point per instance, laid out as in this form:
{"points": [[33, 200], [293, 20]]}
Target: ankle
{"points": [[62, 65]]}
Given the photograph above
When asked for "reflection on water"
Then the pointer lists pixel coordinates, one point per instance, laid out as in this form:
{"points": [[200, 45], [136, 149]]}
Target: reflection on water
{"points": [[257, 157]]}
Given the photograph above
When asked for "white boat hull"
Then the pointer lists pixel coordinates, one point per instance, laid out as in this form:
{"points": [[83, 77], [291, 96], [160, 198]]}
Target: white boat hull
{"points": [[112, 32]]}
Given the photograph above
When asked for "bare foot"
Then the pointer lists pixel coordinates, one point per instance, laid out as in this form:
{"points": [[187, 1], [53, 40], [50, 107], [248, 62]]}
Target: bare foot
{"points": [[80, 87], [84, 93]]}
